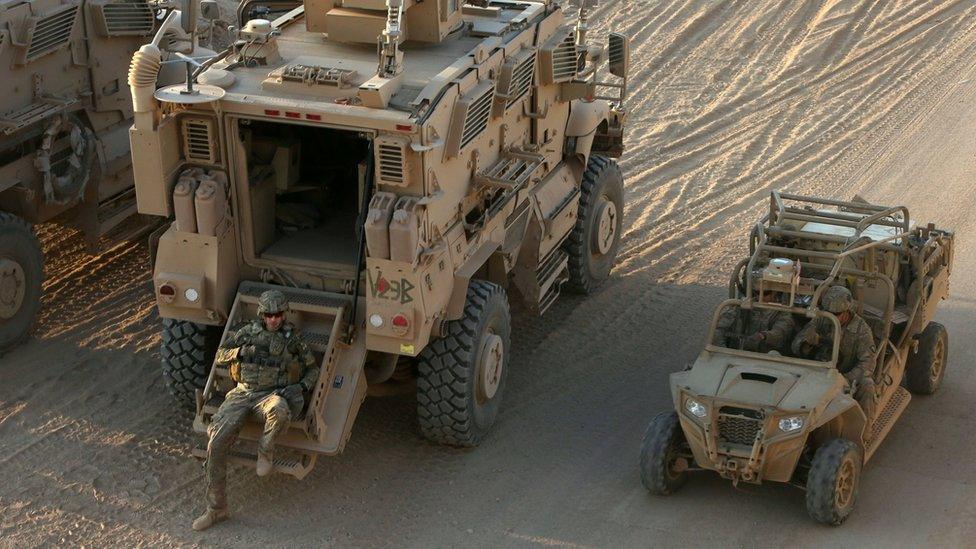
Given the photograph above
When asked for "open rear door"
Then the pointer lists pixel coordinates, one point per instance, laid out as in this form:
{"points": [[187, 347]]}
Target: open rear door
{"points": [[327, 423]]}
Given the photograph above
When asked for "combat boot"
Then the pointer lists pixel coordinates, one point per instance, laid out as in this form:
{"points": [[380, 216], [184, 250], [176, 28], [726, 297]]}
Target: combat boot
{"points": [[265, 465], [209, 518]]}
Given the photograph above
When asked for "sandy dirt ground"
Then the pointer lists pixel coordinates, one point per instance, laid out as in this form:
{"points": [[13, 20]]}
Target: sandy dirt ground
{"points": [[730, 99]]}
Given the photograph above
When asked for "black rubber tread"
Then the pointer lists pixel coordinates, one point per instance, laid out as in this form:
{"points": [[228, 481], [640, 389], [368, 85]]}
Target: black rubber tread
{"points": [[187, 351], [822, 481], [602, 174], [918, 371], [661, 435], [447, 407], [17, 240]]}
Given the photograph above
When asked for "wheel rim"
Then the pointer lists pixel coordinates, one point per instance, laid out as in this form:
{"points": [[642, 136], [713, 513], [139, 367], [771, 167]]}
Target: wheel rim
{"points": [[490, 366], [13, 286], [938, 360], [846, 484], [606, 229], [675, 465]]}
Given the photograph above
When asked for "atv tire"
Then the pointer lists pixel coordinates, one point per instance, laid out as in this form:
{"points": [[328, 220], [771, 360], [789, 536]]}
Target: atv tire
{"points": [[833, 481], [461, 375], [594, 242], [657, 458], [21, 277], [187, 353], [927, 366]]}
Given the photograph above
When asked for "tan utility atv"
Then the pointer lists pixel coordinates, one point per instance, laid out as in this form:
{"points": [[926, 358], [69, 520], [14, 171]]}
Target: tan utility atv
{"points": [[65, 114], [755, 417], [396, 168]]}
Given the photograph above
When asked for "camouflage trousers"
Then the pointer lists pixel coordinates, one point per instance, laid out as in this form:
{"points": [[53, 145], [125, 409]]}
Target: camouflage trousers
{"points": [[270, 407]]}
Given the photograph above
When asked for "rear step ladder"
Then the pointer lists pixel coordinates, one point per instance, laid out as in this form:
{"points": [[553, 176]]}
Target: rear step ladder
{"points": [[341, 388]]}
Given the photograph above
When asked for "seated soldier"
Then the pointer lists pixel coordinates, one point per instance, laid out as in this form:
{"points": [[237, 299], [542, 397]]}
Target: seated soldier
{"points": [[274, 369], [856, 360], [757, 330]]}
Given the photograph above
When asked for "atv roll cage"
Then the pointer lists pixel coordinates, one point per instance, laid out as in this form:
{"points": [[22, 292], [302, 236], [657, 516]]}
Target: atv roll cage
{"points": [[855, 229]]}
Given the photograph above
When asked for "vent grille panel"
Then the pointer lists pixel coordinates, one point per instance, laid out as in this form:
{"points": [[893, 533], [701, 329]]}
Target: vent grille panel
{"points": [[565, 60], [51, 33], [199, 144], [522, 78], [128, 18], [476, 120], [391, 162], [738, 429]]}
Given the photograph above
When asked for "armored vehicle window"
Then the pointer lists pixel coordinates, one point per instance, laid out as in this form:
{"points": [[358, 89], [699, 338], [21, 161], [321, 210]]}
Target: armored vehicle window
{"points": [[304, 185]]}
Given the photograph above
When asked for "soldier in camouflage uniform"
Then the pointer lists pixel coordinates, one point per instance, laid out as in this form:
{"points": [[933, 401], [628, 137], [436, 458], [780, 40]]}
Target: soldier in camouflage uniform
{"points": [[857, 349], [756, 330], [274, 370]]}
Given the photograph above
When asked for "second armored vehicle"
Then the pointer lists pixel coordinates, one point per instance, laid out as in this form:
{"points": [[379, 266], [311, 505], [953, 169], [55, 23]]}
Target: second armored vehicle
{"points": [[396, 169], [65, 113], [753, 408]]}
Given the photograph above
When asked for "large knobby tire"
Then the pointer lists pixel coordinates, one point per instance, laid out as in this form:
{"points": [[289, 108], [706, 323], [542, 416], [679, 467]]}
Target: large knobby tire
{"points": [[593, 244], [926, 368], [21, 277], [461, 376], [187, 353], [659, 454], [833, 481]]}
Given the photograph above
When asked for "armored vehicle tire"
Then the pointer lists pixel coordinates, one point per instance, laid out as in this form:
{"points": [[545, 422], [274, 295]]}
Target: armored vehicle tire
{"points": [[593, 244], [927, 366], [833, 481], [658, 455], [187, 352], [21, 276], [461, 376]]}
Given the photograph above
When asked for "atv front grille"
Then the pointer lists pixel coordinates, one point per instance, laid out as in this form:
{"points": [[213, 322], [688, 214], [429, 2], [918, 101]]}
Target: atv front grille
{"points": [[739, 425]]}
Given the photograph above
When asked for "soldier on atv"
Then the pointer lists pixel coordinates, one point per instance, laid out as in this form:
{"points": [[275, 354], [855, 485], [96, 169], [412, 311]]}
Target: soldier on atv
{"points": [[274, 369], [757, 330], [857, 348]]}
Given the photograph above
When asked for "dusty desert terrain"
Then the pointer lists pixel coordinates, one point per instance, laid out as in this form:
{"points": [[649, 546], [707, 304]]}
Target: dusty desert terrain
{"points": [[730, 99]]}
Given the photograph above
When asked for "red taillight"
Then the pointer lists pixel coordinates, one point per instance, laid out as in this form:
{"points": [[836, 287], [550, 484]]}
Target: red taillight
{"points": [[400, 321], [289, 114], [316, 117], [272, 112], [167, 290], [404, 128]]}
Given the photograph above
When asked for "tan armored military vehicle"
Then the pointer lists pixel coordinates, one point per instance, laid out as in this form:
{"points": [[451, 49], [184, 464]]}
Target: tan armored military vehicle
{"points": [[777, 417], [396, 169], [65, 112]]}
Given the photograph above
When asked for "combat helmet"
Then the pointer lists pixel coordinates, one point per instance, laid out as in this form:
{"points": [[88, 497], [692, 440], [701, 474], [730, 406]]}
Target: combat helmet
{"points": [[837, 299], [272, 302]]}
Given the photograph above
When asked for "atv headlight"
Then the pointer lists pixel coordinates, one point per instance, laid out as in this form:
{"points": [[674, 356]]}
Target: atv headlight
{"points": [[695, 408], [790, 424]]}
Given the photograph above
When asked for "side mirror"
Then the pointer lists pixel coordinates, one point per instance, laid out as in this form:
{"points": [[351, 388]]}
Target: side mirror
{"points": [[619, 50], [189, 11], [210, 10]]}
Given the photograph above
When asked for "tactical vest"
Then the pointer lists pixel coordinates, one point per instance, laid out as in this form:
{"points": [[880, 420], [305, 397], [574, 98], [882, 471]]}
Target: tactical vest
{"points": [[273, 365]]}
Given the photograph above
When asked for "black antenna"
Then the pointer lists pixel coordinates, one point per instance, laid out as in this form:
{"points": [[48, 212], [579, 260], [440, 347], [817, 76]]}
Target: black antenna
{"points": [[361, 227]]}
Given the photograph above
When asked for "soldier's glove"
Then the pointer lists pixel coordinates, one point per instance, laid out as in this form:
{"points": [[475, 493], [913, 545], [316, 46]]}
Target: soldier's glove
{"points": [[812, 338], [292, 392], [248, 351], [753, 342]]}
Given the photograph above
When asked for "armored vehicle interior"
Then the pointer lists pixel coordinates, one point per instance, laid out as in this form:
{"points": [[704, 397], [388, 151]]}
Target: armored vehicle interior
{"points": [[303, 196]]}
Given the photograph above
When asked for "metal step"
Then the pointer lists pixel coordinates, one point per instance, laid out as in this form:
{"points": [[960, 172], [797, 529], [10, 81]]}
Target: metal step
{"points": [[335, 400], [551, 275], [296, 465], [12, 121], [886, 419]]}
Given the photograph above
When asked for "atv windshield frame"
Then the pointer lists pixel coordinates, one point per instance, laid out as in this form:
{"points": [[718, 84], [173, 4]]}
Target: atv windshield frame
{"points": [[747, 305]]}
